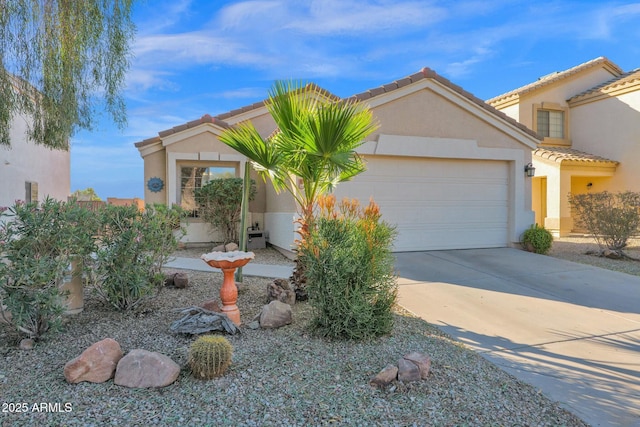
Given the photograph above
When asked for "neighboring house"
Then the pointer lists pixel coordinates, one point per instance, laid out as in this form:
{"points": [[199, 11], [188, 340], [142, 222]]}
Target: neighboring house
{"points": [[31, 172], [446, 168], [589, 118]]}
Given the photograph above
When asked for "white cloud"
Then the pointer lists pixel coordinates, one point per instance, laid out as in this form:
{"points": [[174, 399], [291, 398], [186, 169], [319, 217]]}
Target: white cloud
{"points": [[353, 17]]}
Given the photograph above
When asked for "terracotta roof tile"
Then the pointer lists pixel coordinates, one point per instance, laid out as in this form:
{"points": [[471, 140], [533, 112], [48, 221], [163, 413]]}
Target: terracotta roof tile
{"points": [[430, 74], [147, 141], [193, 123], [377, 91], [609, 85], [554, 77], [561, 154]]}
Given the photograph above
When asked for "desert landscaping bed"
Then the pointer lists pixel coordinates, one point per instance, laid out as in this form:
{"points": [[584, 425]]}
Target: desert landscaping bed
{"points": [[278, 377], [577, 249]]}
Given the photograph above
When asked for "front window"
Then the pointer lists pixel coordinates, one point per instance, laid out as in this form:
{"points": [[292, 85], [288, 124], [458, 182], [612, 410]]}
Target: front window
{"points": [[551, 124], [194, 177]]}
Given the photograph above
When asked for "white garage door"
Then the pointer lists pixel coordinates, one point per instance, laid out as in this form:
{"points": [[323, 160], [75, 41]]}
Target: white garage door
{"points": [[437, 203]]}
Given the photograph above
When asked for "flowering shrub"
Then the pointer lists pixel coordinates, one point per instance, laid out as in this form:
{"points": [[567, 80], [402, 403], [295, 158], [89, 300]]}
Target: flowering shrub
{"points": [[350, 271]]}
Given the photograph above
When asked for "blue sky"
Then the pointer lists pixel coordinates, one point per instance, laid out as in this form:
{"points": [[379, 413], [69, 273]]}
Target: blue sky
{"points": [[207, 57]]}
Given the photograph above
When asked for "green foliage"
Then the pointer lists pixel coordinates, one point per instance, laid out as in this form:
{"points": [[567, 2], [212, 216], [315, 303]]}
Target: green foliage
{"points": [[132, 248], [37, 244], [220, 203], [210, 356], [350, 271], [55, 56], [315, 142], [539, 239], [86, 195], [612, 218]]}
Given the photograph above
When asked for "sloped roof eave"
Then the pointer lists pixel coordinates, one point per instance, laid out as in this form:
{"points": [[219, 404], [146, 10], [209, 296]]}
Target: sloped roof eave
{"points": [[568, 156], [529, 137], [614, 69]]}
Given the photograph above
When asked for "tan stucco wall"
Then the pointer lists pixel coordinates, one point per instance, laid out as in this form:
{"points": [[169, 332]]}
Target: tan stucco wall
{"points": [[426, 113], [611, 128], [155, 167], [202, 142], [26, 161], [559, 92]]}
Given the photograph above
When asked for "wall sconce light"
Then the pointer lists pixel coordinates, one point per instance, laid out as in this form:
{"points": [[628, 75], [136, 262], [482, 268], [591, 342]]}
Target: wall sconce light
{"points": [[529, 170]]}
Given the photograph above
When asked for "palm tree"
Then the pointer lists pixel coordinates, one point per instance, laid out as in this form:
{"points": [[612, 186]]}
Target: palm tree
{"points": [[314, 144], [313, 148]]}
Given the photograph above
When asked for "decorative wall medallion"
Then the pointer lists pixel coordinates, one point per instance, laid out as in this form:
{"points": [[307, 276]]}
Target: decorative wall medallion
{"points": [[155, 184]]}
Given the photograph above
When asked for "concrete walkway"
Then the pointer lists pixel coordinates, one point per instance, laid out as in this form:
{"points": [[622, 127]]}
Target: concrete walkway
{"points": [[251, 269], [571, 330]]}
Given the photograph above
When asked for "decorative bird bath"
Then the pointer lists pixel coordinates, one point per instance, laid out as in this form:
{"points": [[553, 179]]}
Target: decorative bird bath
{"points": [[228, 262]]}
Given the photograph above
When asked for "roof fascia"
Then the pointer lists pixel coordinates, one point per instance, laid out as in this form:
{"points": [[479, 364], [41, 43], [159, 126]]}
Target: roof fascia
{"points": [[459, 100]]}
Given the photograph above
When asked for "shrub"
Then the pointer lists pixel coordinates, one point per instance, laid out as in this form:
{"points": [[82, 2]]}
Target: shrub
{"points": [[538, 239], [350, 271], [132, 248], [209, 356], [220, 202], [37, 244], [612, 218]]}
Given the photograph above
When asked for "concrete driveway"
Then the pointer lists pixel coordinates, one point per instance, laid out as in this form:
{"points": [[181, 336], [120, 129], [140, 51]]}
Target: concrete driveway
{"points": [[571, 330]]}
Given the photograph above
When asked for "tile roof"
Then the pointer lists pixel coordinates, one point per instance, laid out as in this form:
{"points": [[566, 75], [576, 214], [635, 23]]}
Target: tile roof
{"points": [[562, 154], [427, 73], [557, 76], [609, 86], [220, 118], [193, 123]]}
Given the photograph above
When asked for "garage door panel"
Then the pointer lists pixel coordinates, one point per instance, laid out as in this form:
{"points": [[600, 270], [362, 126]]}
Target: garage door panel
{"points": [[437, 203], [392, 189], [424, 239], [445, 213]]}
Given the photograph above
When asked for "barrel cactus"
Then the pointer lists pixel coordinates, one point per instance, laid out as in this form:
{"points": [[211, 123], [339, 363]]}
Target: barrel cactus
{"points": [[209, 356]]}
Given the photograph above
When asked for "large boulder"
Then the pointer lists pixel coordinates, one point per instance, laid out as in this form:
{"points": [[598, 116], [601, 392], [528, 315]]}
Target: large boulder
{"points": [[145, 369], [275, 314], [96, 364]]}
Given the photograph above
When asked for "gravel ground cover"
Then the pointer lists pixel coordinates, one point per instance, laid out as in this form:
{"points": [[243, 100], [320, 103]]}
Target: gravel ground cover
{"points": [[576, 248], [282, 377]]}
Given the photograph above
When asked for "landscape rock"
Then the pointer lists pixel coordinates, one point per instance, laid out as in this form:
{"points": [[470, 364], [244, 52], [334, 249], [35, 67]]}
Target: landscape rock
{"points": [[197, 320], [26, 344], [385, 376], [96, 364], [408, 371], [254, 325], [279, 290], [275, 314], [179, 280], [146, 369], [608, 253], [230, 247], [211, 305], [422, 361]]}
